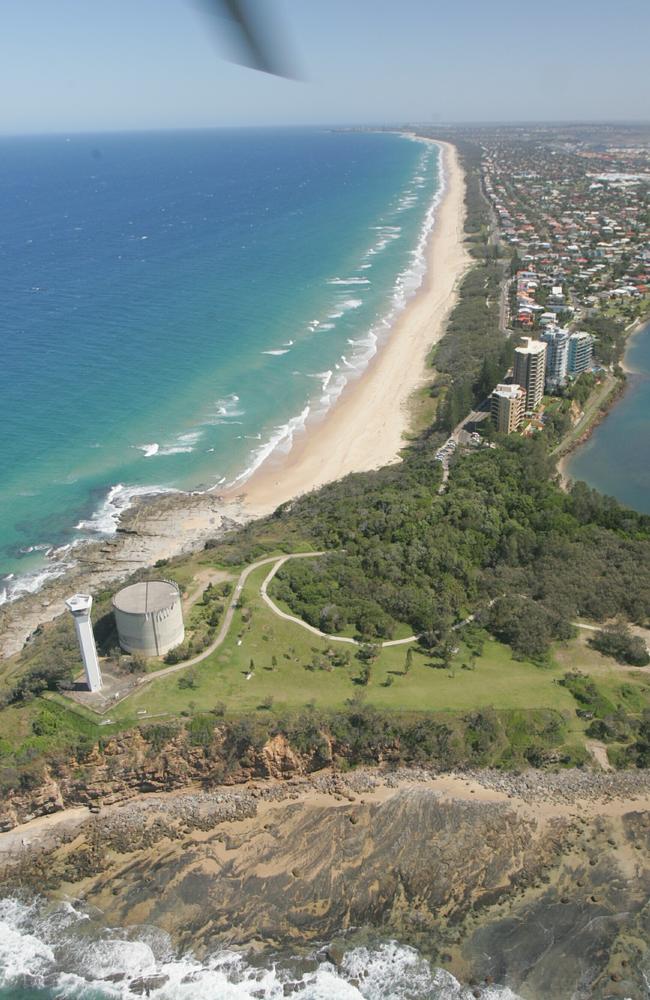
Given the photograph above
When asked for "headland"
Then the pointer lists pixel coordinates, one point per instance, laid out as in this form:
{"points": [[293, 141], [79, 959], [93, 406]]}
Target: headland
{"points": [[363, 430]]}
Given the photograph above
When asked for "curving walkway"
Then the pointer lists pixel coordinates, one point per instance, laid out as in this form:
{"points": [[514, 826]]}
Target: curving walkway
{"points": [[225, 625], [311, 628], [277, 562]]}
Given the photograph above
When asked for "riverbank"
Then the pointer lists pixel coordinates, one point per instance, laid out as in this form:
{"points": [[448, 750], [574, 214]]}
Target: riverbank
{"points": [[596, 410], [615, 432], [365, 429], [467, 867], [367, 426]]}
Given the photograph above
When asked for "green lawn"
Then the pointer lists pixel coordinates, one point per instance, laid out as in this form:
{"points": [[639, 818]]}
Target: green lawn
{"points": [[497, 681], [257, 634], [626, 687]]}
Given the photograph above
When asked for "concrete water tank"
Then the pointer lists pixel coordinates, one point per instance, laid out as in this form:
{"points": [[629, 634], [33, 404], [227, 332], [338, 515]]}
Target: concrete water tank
{"points": [[149, 617]]}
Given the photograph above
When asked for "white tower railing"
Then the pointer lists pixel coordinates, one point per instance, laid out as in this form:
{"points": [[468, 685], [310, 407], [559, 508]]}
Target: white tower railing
{"points": [[79, 606]]}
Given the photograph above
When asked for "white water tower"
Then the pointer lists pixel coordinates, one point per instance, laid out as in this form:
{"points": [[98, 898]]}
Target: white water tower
{"points": [[79, 606]]}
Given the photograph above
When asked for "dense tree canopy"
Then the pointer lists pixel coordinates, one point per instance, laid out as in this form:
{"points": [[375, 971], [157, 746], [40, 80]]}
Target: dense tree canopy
{"points": [[504, 540]]}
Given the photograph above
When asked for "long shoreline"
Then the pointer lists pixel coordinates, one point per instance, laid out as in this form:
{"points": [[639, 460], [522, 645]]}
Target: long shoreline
{"points": [[366, 427], [363, 430]]}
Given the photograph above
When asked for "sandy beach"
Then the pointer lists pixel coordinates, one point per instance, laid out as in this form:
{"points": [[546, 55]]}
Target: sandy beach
{"points": [[366, 427], [364, 430]]}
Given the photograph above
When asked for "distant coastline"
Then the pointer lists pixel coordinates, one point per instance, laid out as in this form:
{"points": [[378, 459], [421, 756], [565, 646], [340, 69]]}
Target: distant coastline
{"points": [[366, 427], [330, 285], [363, 430]]}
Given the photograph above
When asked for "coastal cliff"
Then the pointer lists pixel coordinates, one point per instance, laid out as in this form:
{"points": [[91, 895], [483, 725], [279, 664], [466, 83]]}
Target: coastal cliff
{"points": [[128, 765]]}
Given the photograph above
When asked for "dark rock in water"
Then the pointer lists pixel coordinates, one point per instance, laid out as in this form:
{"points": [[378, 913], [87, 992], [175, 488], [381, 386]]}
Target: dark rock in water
{"points": [[335, 952], [500, 891], [145, 984]]}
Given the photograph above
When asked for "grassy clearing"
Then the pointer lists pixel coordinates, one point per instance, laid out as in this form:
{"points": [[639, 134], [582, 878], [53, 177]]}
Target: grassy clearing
{"points": [[258, 635], [423, 407], [278, 655], [627, 688]]}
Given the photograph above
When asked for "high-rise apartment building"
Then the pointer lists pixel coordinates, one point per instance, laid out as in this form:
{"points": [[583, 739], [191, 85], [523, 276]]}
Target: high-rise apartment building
{"points": [[580, 353], [530, 370], [557, 354], [507, 406]]}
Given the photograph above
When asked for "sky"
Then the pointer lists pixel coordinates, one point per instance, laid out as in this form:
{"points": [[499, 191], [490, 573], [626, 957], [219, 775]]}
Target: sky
{"points": [[94, 65]]}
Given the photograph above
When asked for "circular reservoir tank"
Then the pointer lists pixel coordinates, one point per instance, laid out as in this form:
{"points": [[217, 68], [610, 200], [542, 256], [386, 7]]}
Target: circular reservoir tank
{"points": [[149, 617]]}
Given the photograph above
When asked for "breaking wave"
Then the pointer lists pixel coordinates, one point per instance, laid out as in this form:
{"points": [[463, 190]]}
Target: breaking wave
{"points": [[62, 951], [12, 587], [105, 519], [348, 281], [364, 348], [281, 441], [227, 410]]}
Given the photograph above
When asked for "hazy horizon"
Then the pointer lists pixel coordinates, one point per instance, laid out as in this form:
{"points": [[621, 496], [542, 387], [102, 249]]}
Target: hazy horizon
{"points": [[514, 123], [159, 64]]}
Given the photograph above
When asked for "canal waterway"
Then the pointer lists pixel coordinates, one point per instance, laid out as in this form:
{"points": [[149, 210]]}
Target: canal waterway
{"points": [[616, 458]]}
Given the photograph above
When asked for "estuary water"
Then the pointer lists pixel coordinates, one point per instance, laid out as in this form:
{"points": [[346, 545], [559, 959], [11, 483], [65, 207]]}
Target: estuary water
{"points": [[616, 458], [176, 306]]}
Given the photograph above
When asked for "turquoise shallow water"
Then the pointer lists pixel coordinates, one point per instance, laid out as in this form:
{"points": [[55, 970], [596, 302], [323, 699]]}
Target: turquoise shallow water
{"points": [[177, 305], [616, 458]]}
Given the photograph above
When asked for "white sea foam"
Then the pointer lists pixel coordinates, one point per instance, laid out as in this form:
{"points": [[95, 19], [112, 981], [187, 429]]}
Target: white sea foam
{"points": [[62, 949], [12, 587], [176, 449], [226, 410], [182, 444], [353, 363], [345, 306], [104, 521], [348, 281], [106, 518], [281, 440], [190, 437]]}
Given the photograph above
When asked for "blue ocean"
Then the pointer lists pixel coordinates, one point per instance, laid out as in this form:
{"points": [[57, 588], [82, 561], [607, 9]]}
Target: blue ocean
{"points": [[178, 305]]}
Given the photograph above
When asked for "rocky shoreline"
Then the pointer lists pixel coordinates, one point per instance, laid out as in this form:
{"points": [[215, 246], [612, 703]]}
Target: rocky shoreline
{"points": [[153, 528], [536, 880]]}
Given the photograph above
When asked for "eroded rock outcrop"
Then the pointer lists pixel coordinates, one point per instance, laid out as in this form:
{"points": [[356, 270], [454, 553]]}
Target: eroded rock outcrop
{"points": [[542, 894]]}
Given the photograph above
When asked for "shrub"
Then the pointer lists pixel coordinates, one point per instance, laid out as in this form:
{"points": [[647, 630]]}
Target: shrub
{"points": [[619, 642]]}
